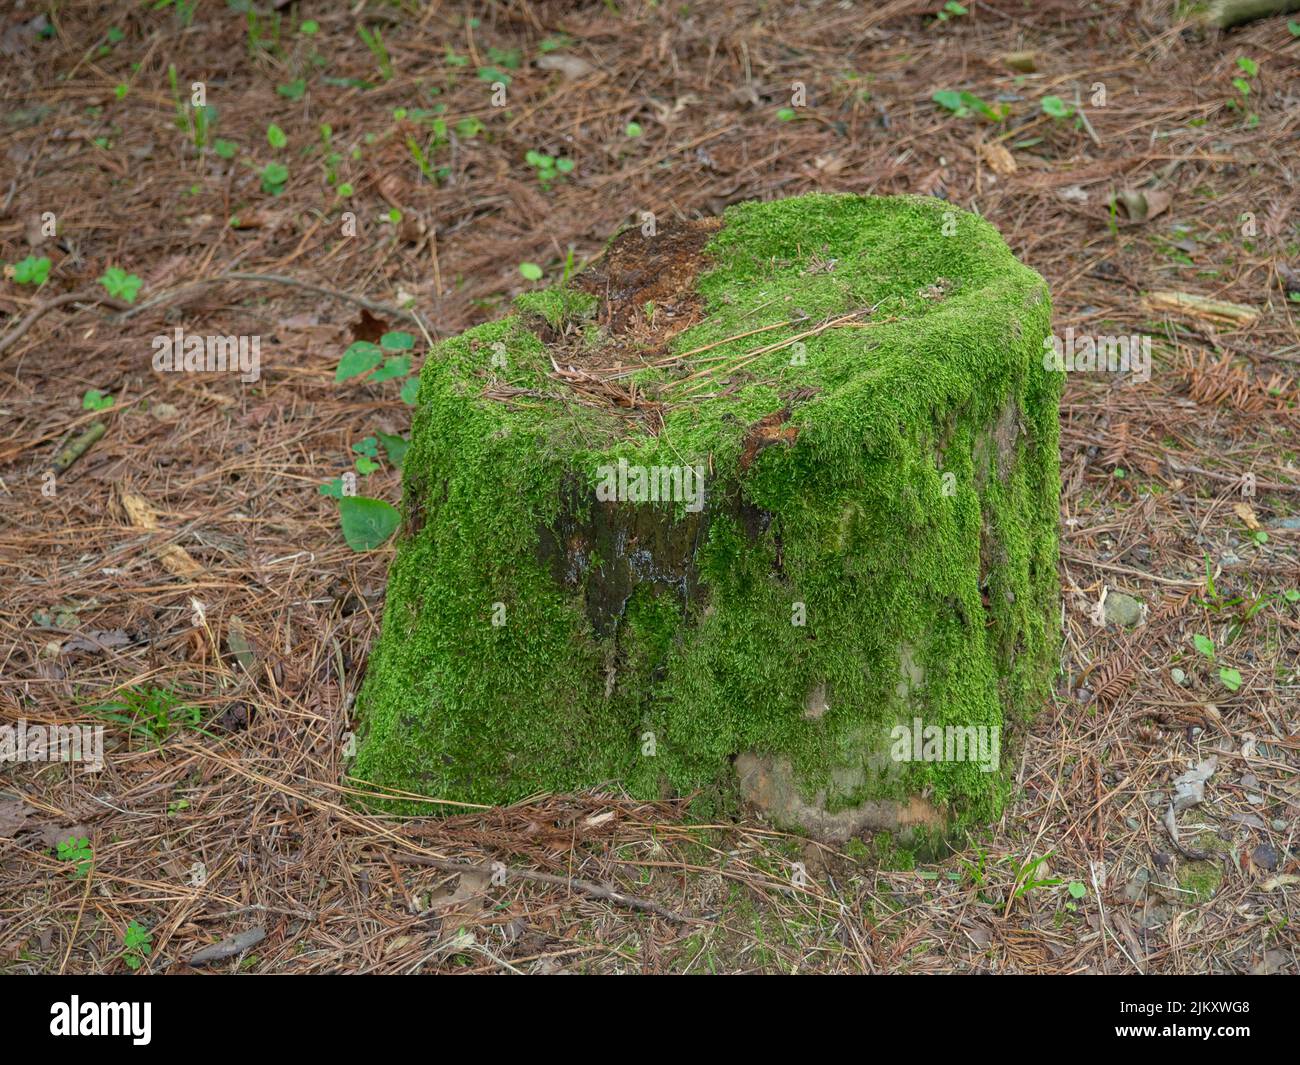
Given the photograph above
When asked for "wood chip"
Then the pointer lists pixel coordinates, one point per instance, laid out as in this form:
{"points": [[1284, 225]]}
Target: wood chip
{"points": [[176, 560], [1000, 160], [1247, 514], [1194, 306]]}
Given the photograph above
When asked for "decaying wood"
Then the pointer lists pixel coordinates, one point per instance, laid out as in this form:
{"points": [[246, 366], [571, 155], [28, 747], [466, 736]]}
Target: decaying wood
{"points": [[175, 559], [74, 449], [1226, 13], [1194, 306]]}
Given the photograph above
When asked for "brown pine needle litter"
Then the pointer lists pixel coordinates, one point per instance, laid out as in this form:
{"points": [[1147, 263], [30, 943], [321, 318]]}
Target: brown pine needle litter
{"points": [[183, 582]]}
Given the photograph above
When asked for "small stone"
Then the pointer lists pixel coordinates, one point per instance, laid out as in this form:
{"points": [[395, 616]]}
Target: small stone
{"points": [[1178, 676], [1123, 609], [164, 412], [1137, 885], [1265, 857]]}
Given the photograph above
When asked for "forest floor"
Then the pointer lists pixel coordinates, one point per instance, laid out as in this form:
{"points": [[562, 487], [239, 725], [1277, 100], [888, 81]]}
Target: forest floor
{"points": [[189, 565]]}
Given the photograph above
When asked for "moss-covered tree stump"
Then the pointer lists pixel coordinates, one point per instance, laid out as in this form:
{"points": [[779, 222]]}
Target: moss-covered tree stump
{"points": [[753, 507]]}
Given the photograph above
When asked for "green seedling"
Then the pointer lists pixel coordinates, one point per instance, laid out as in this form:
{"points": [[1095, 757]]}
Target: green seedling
{"points": [[94, 399], [1057, 108], [1250, 69], [374, 40], [965, 104], [150, 713], [77, 851], [120, 285], [548, 167], [263, 32], [1025, 881], [366, 451], [137, 944], [32, 271], [274, 178]]}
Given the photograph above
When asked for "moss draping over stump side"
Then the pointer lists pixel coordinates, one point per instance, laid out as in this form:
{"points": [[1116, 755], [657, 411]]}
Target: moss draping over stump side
{"points": [[894, 481]]}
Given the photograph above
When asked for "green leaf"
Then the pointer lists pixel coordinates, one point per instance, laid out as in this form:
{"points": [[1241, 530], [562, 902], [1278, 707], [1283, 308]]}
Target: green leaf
{"points": [[410, 391], [1291, 595], [366, 466], [275, 136], [32, 271], [360, 358], [786, 114], [1056, 107], [397, 341], [396, 366], [1077, 890], [949, 99], [274, 175], [633, 129], [309, 28], [395, 447], [531, 271], [367, 523], [564, 165], [1204, 644], [1248, 66], [137, 936], [225, 149], [1231, 678], [292, 91], [94, 399], [507, 57], [119, 284]]}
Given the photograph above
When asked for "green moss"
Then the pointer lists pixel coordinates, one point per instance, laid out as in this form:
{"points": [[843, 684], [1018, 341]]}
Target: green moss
{"points": [[1201, 879], [852, 521]]}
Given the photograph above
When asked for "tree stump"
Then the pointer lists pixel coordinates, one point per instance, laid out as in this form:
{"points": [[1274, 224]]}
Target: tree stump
{"points": [[758, 508]]}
